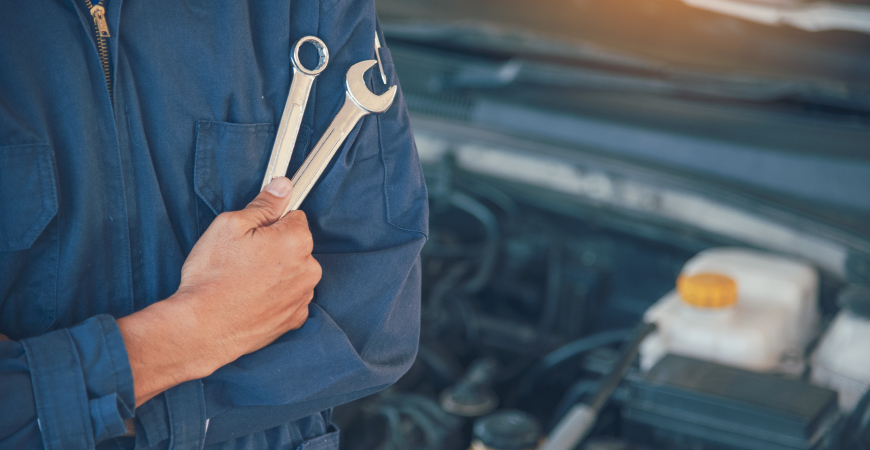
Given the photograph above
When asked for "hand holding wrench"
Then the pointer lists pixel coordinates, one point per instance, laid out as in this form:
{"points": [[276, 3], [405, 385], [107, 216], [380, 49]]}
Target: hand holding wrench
{"points": [[359, 101], [291, 119]]}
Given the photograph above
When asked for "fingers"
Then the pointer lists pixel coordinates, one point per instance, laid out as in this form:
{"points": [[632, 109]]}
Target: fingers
{"points": [[267, 208], [297, 318], [294, 228]]}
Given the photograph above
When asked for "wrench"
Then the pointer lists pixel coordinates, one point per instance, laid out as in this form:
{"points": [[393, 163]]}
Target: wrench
{"points": [[378, 55], [359, 102], [291, 119]]}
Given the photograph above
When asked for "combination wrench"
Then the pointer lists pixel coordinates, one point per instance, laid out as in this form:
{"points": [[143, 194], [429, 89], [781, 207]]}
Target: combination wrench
{"points": [[291, 119], [359, 102]]}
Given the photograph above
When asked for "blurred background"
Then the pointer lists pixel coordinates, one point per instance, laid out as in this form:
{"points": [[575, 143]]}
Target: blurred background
{"points": [[582, 156]]}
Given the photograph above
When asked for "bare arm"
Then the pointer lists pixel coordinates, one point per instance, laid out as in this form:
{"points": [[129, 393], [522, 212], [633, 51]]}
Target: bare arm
{"points": [[247, 281]]}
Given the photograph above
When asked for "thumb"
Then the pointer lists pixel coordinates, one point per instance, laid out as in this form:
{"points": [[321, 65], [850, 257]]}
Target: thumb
{"points": [[269, 206]]}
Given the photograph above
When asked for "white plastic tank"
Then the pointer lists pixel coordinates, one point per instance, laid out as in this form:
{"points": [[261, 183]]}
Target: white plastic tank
{"points": [[842, 359], [738, 307]]}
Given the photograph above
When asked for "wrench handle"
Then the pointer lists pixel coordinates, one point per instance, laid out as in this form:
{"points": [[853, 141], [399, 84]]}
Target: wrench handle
{"points": [[288, 130], [294, 108], [314, 165]]}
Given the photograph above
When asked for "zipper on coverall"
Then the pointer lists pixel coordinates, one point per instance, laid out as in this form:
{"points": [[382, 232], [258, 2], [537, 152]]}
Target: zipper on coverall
{"points": [[101, 29]]}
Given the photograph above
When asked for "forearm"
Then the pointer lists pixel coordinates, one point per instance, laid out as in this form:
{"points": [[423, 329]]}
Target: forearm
{"points": [[166, 347]]}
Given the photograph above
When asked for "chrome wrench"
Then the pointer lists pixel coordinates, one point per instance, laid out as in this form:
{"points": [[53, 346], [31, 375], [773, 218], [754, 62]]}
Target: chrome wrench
{"points": [[291, 119], [359, 102]]}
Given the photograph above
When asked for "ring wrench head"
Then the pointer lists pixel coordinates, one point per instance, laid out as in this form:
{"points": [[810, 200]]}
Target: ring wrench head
{"points": [[294, 108], [360, 93], [322, 52]]}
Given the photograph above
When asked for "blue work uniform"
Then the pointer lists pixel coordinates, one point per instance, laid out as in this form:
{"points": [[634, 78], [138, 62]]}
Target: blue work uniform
{"points": [[102, 198]]}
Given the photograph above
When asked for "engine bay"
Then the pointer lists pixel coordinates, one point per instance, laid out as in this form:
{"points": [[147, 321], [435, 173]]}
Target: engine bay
{"points": [[530, 309]]}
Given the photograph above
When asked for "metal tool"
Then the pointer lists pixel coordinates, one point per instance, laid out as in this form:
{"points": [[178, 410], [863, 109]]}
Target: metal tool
{"points": [[581, 418], [297, 99], [378, 55], [359, 102]]}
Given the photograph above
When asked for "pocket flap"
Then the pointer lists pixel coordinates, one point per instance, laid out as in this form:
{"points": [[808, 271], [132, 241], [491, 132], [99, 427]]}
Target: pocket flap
{"points": [[28, 196], [231, 160]]}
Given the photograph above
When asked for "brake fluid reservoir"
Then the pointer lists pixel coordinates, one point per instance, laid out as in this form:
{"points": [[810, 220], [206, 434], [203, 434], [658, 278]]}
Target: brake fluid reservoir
{"points": [[738, 307], [841, 360]]}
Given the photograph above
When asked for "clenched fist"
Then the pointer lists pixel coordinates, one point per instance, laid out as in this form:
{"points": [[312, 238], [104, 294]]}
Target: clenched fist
{"points": [[247, 281], [252, 275]]}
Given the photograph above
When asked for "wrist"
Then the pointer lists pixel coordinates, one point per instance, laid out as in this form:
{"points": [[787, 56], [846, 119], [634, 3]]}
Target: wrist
{"points": [[193, 334], [165, 347]]}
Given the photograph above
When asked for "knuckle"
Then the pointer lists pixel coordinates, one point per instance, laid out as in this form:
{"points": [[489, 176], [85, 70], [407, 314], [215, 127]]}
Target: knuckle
{"points": [[316, 270], [228, 219], [305, 300], [221, 218], [306, 243], [269, 210], [299, 317], [300, 216], [262, 208], [300, 240]]}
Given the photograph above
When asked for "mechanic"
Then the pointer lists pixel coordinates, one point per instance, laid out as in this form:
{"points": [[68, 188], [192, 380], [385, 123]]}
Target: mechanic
{"points": [[147, 300]]}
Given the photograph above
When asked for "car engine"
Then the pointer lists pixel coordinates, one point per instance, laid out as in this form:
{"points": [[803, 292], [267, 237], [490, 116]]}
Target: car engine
{"points": [[530, 310]]}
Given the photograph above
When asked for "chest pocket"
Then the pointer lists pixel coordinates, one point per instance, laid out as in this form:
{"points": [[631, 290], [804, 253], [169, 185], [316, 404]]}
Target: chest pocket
{"points": [[231, 160], [28, 240]]}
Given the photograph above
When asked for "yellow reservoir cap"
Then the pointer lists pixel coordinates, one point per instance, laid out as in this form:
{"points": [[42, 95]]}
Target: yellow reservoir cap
{"points": [[707, 290]]}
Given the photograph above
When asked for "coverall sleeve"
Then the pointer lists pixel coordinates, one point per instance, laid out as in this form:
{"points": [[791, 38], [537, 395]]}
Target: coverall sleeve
{"points": [[73, 384], [369, 218]]}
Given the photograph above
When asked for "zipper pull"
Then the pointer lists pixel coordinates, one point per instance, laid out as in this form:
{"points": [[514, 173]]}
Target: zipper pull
{"points": [[99, 14]]}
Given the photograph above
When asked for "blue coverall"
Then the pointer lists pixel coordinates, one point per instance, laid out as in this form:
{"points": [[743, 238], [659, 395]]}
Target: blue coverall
{"points": [[102, 199]]}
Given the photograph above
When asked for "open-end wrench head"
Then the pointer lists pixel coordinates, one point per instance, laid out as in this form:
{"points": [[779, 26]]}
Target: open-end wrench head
{"points": [[360, 93]]}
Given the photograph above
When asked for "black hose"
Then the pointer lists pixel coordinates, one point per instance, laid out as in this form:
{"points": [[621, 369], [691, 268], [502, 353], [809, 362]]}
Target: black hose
{"points": [[452, 281], [494, 195], [443, 287], [582, 345], [553, 289], [421, 413], [490, 250], [567, 352]]}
